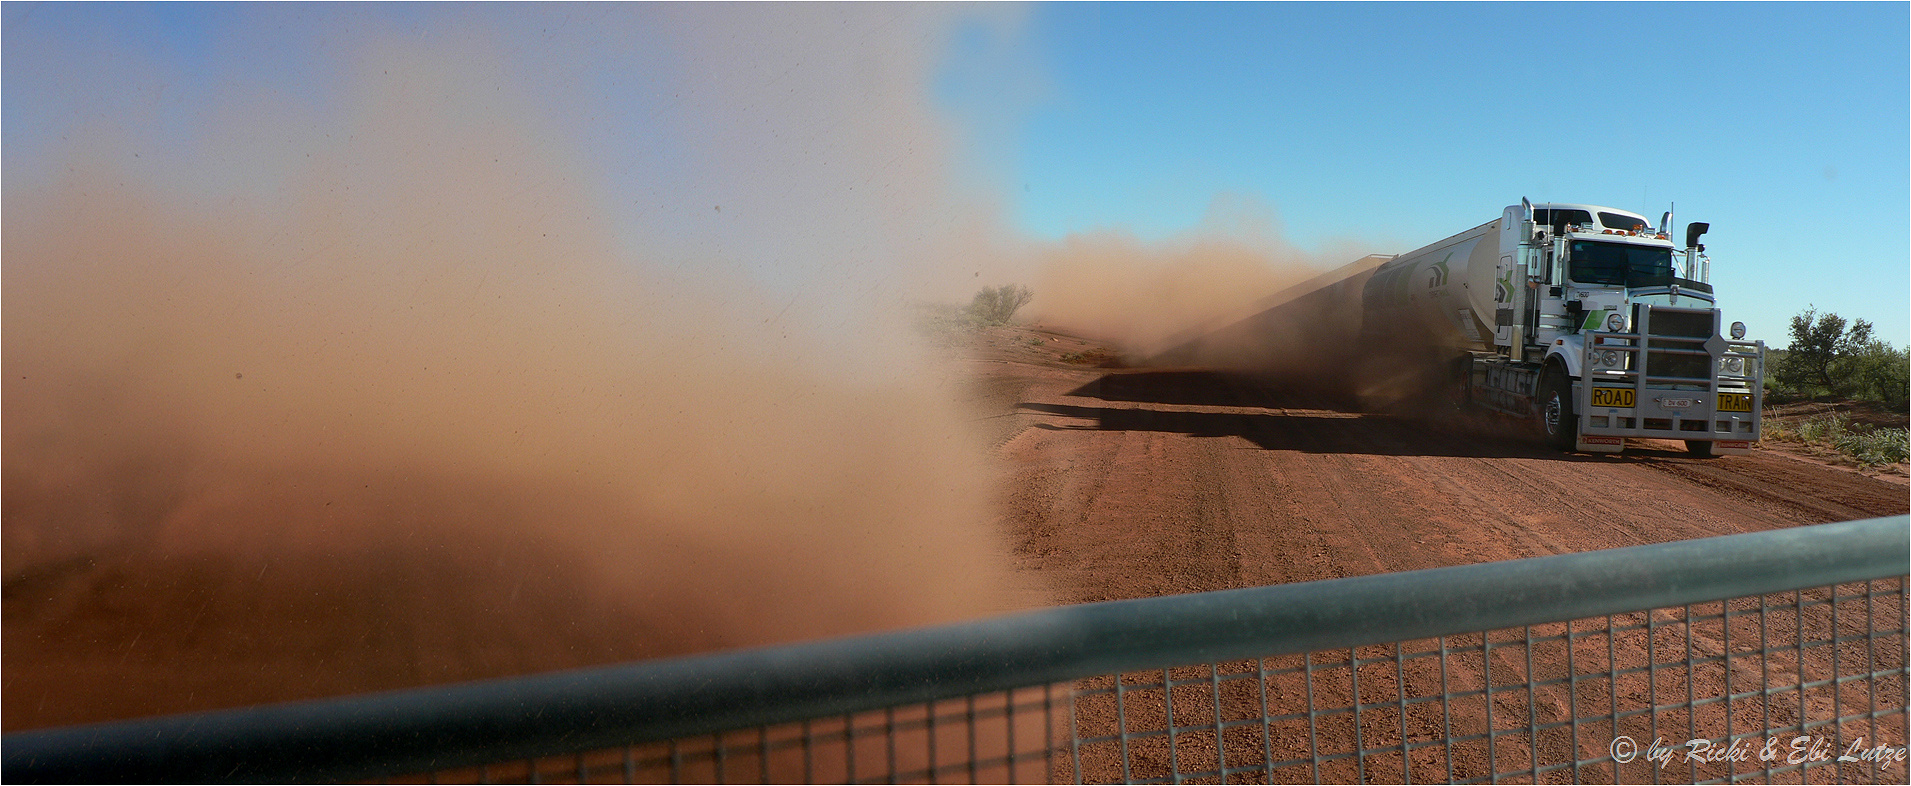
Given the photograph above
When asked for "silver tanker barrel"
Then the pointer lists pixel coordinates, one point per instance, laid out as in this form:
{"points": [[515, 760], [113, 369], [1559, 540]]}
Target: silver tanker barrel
{"points": [[1437, 300], [1421, 314]]}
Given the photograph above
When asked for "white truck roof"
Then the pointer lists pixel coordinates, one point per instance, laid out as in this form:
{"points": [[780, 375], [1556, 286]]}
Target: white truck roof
{"points": [[1606, 217]]}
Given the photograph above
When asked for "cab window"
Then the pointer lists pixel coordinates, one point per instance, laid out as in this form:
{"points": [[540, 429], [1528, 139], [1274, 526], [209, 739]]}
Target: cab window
{"points": [[1621, 221], [1545, 216], [1593, 262]]}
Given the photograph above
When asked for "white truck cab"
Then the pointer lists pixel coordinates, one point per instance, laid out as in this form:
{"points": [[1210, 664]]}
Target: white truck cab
{"points": [[1627, 334]]}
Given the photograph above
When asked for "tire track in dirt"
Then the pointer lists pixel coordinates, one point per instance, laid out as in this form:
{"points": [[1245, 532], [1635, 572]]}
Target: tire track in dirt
{"points": [[1792, 490], [1199, 465], [1273, 485]]}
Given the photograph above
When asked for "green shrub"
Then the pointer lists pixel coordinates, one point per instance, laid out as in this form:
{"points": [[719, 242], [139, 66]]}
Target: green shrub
{"points": [[997, 305], [1875, 446], [1880, 373], [1829, 357], [1868, 446], [1824, 428], [1820, 343]]}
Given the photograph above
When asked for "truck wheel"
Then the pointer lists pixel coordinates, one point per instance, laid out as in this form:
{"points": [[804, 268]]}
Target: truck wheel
{"points": [[1702, 448], [1557, 421]]}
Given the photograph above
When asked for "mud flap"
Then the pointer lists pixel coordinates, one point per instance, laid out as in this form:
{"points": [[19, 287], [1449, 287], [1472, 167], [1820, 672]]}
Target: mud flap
{"points": [[1732, 447], [1599, 444]]}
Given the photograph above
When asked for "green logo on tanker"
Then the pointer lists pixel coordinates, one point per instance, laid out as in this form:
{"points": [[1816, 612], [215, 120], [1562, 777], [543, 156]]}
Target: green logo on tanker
{"points": [[1437, 274]]}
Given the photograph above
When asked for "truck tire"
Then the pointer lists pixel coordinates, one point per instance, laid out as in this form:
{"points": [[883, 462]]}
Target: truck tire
{"points": [[1558, 424], [1702, 448]]}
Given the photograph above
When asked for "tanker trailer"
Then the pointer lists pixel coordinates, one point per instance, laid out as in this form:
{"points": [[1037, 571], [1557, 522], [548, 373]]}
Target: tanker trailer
{"points": [[1584, 319]]}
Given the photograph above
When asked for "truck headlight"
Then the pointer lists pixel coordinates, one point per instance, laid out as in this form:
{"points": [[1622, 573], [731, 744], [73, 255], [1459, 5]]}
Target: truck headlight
{"points": [[1738, 331], [1609, 358], [1616, 322], [1733, 365]]}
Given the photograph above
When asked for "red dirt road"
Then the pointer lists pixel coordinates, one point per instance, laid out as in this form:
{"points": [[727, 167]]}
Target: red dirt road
{"points": [[1138, 482], [1130, 483]]}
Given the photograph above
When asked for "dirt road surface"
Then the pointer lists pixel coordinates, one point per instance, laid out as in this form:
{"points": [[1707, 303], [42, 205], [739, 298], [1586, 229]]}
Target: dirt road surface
{"points": [[1130, 483], [1127, 483]]}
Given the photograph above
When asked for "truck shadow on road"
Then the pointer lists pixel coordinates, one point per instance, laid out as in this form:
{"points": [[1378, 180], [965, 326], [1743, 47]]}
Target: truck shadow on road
{"points": [[1203, 388], [1276, 415]]}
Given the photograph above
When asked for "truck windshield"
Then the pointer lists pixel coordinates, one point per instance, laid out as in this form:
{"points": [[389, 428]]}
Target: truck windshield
{"points": [[1618, 263]]}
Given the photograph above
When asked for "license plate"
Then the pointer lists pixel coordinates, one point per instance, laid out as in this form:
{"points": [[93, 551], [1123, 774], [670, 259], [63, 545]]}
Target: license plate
{"points": [[1613, 397], [1735, 402], [1675, 403]]}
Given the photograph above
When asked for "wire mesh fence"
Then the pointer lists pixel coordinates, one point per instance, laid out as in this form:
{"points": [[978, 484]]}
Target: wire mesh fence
{"points": [[1804, 686], [1799, 686], [1014, 736], [1776, 656]]}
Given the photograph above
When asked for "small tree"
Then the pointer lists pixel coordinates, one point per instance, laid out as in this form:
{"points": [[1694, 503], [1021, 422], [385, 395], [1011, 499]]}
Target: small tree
{"points": [[1820, 342], [996, 305], [1882, 373]]}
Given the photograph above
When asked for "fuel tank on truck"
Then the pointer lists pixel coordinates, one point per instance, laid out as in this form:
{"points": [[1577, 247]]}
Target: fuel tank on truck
{"points": [[1437, 300]]}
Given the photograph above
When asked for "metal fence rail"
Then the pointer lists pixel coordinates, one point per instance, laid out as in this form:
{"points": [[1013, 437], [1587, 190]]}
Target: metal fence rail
{"points": [[1779, 652]]}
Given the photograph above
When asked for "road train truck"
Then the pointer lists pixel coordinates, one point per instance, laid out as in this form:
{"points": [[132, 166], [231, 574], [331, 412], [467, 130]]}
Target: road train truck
{"points": [[1588, 321]]}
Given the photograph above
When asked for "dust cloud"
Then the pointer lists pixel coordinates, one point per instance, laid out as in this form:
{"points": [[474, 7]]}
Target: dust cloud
{"points": [[423, 411], [1233, 294], [409, 381]]}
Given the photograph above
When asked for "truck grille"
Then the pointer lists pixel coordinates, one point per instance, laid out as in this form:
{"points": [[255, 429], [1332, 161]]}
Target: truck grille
{"points": [[1677, 324], [1684, 324], [1667, 364]]}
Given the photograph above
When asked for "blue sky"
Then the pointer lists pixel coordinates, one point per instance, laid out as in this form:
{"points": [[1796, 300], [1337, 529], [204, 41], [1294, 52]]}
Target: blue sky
{"points": [[1784, 126], [1373, 127]]}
